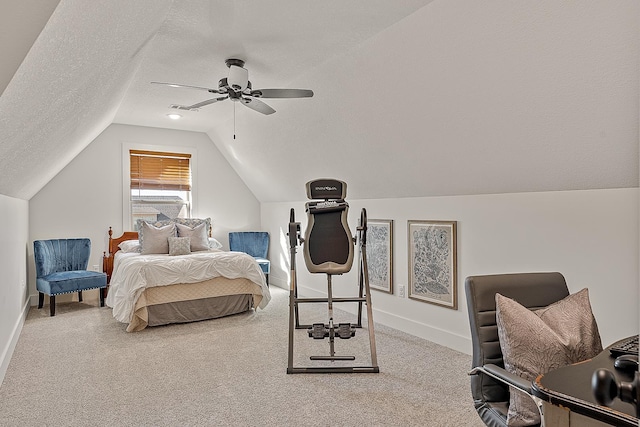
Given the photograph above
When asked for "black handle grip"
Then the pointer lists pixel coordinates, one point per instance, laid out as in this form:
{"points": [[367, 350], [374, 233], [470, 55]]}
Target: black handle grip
{"points": [[604, 386]]}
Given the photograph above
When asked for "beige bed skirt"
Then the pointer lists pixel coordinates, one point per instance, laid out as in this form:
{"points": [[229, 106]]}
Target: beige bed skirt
{"points": [[188, 302]]}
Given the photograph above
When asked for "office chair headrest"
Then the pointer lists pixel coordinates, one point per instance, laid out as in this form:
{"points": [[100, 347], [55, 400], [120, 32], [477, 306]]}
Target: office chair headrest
{"points": [[326, 188]]}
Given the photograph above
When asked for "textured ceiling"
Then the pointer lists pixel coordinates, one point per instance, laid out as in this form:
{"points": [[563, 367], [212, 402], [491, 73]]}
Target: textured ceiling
{"points": [[279, 40], [69, 87], [412, 98], [20, 24]]}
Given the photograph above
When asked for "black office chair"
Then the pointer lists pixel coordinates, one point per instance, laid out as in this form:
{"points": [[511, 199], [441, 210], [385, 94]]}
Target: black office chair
{"points": [[489, 380]]}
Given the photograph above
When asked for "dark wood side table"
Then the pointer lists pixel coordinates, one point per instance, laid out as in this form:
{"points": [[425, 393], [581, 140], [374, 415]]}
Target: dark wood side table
{"points": [[568, 398]]}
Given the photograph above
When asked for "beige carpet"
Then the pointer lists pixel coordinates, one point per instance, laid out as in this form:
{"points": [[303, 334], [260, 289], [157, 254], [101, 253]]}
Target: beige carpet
{"points": [[80, 368]]}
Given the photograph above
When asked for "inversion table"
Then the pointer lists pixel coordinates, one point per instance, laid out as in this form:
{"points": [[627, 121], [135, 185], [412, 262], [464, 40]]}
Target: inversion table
{"points": [[328, 248]]}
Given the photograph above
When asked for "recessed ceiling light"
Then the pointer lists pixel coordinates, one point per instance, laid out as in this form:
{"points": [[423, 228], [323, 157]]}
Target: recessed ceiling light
{"points": [[174, 116]]}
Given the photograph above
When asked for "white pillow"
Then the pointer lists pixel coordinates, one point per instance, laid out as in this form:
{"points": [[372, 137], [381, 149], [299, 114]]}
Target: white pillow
{"points": [[214, 244], [129, 246]]}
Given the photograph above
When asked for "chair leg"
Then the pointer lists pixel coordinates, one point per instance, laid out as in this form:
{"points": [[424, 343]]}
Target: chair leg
{"points": [[101, 290], [79, 296], [52, 305], [40, 299], [267, 277]]}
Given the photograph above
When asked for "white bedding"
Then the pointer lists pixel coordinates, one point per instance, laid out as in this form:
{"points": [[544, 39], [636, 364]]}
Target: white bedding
{"points": [[133, 272]]}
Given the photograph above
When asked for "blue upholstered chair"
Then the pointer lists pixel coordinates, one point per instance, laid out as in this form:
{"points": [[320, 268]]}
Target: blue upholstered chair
{"points": [[254, 243], [61, 268]]}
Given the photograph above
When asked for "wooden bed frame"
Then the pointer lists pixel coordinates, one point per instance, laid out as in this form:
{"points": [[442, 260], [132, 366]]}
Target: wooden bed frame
{"points": [[107, 258]]}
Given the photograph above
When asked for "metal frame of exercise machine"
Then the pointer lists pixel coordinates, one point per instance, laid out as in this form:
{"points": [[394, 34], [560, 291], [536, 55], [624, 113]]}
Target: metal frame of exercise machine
{"points": [[328, 198]]}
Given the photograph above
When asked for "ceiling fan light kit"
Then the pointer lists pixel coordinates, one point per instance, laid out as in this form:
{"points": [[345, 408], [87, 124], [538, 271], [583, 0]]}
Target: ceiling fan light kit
{"points": [[238, 76], [237, 87]]}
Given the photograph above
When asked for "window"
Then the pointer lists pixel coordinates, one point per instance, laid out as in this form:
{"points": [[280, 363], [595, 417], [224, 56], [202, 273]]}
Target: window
{"points": [[160, 185]]}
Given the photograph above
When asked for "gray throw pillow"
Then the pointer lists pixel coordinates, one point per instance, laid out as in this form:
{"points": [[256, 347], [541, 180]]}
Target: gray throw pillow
{"points": [[154, 240], [536, 342], [179, 246], [156, 223], [193, 222], [197, 234]]}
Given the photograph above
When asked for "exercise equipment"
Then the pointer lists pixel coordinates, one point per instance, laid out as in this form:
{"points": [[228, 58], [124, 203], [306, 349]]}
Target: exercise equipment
{"points": [[328, 248]]}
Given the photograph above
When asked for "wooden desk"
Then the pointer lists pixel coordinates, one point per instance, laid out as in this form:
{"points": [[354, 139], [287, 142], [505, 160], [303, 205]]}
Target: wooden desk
{"points": [[568, 397]]}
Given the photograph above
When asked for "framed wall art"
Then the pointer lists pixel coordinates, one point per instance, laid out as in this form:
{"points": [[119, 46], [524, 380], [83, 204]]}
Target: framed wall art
{"points": [[380, 254], [433, 262]]}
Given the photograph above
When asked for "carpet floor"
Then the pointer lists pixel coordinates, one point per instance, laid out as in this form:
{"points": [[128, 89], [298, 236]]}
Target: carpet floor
{"points": [[80, 368]]}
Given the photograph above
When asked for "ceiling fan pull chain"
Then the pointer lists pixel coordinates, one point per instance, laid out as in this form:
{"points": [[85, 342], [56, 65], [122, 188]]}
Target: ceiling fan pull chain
{"points": [[234, 120]]}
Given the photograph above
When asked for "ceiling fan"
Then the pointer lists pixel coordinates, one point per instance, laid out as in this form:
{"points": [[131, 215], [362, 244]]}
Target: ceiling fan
{"points": [[237, 88]]}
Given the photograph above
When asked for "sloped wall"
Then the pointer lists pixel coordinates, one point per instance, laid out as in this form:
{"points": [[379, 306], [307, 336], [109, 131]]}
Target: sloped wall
{"points": [[85, 198], [461, 97], [590, 236]]}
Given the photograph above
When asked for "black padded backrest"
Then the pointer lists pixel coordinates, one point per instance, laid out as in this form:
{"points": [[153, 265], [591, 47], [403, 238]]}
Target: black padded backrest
{"points": [[328, 246], [326, 189], [532, 290]]}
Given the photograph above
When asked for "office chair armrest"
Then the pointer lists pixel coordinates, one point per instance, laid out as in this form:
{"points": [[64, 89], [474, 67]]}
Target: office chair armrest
{"points": [[503, 376]]}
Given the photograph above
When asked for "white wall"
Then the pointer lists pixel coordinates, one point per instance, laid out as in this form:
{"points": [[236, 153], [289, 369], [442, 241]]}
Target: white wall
{"points": [[85, 198], [590, 236], [14, 243]]}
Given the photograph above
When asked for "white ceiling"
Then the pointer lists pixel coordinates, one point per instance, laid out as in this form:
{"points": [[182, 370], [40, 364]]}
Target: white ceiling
{"points": [[21, 21], [279, 40], [412, 98]]}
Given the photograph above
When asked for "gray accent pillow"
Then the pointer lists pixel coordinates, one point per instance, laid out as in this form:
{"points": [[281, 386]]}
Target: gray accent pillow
{"points": [[536, 342], [154, 240], [193, 222], [179, 246], [197, 234], [157, 224]]}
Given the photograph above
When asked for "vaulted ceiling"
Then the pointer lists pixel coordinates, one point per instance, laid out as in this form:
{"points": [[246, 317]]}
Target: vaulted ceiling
{"points": [[412, 98]]}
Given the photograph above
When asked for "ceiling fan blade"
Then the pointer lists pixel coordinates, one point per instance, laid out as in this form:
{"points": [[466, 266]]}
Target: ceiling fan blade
{"points": [[257, 105], [281, 93], [208, 102], [187, 86]]}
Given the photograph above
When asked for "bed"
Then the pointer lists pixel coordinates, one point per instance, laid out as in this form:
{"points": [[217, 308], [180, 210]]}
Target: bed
{"points": [[159, 289]]}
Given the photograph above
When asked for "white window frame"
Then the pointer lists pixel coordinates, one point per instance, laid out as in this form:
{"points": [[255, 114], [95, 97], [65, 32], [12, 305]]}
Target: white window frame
{"points": [[126, 176]]}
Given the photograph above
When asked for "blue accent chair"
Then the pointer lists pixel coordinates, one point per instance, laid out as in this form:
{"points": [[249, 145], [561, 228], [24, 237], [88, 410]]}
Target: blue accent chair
{"points": [[254, 243], [61, 268]]}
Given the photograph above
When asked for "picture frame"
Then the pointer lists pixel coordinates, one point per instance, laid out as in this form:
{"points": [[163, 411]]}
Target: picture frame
{"points": [[433, 262], [380, 254]]}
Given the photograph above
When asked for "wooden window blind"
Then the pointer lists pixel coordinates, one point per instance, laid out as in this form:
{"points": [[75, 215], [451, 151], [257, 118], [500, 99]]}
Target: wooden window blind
{"points": [[154, 170]]}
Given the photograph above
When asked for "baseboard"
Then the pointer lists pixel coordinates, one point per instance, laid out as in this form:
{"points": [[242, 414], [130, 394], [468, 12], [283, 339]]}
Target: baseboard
{"points": [[7, 352], [409, 326], [33, 299], [424, 331], [278, 282]]}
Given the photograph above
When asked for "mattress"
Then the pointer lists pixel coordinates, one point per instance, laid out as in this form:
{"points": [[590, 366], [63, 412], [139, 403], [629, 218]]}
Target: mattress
{"points": [[149, 290]]}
